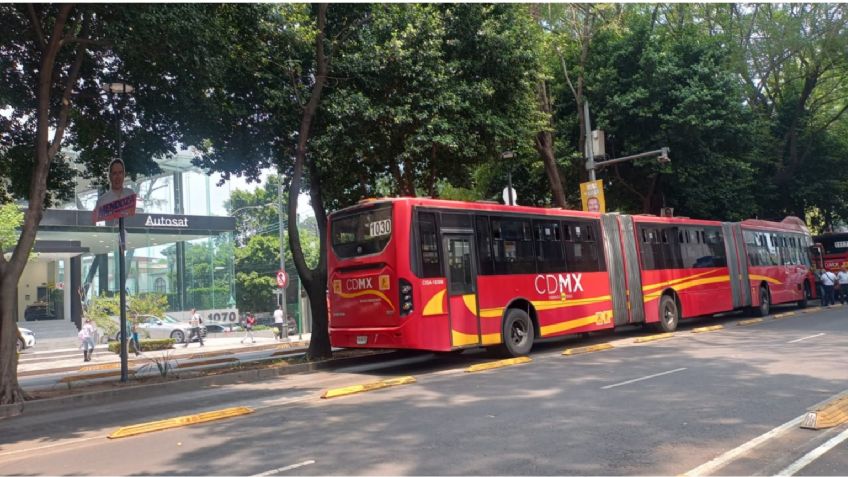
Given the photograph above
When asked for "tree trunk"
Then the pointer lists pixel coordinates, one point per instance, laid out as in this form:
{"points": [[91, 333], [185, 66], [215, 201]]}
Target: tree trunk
{"points": [[10, 272], [545, 147], [315, 281]]}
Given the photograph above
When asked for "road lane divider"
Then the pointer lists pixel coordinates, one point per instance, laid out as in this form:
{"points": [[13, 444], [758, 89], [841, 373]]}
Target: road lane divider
{"points": [[498, 364], [707, 329], [180, 421], [652, 376], [360, 388], [780, 316], [826, 414], [100, 367], [87, 377], [587, 349], [211, 354], [206, 362], [648, 339], [814, 454], [752, 321]]}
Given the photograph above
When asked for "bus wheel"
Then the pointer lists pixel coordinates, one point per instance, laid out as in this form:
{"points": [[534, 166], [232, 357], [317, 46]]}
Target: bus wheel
{"points": [[765, 302], [802, 303], [669, 314], [517, 333]]}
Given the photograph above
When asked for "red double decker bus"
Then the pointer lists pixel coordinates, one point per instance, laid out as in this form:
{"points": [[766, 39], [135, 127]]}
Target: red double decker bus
{"points": [[441, 275]]}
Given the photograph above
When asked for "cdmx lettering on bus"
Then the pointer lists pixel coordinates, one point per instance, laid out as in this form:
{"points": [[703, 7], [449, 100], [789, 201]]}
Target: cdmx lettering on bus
{"points": [[558, 284]]}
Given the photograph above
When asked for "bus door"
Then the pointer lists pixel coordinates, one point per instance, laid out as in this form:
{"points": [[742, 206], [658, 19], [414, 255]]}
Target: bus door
{"points": [[462, 289]]}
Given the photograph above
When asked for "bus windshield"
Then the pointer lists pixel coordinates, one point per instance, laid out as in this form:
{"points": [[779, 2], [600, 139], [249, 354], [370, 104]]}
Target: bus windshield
{"points": [[363, 232]]}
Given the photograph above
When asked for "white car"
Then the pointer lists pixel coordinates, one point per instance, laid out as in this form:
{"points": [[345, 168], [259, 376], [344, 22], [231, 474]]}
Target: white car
{"points": [[27, 339], [160, 327]]}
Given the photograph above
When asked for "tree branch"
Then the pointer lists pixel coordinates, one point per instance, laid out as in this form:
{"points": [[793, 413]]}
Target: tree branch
{"points": [[36, 25], [62, 123]]}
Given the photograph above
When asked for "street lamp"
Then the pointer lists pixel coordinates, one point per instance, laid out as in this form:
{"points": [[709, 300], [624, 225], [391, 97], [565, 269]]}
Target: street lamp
{"points": [[116, 89]]}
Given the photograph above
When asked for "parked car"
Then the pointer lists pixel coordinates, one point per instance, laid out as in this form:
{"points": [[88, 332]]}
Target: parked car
{"points": [[223, 327], [162, 327], [26, 340]]}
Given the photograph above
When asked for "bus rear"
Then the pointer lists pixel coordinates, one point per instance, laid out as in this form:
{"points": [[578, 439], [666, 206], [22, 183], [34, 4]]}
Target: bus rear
{"points": [[834, 249], [373, 294]]}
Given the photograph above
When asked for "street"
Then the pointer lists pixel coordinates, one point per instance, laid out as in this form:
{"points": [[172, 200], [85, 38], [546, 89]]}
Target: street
{"points": [[715, 403]]}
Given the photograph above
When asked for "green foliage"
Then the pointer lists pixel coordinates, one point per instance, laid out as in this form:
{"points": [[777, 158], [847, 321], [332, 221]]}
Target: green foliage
{"points": [[147, 304], [146, 345], [11, 218], [101, 310]]}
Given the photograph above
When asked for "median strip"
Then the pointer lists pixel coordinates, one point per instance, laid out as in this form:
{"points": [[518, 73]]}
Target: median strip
{"points": [[86, 377], [827, 414], [498, 364], [646, 339], [587, 349], [100, 367], [136, 429], [359, 388], [752, 321], [705, 329], [207, 362], [783, 315]]}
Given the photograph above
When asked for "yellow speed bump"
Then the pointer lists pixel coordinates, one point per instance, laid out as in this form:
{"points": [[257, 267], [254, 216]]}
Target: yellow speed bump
{"points": [[752, 321], [830, 413], [136, 429], [498, 364], [783, 315], [587, 349], [359, 388], [705, 329], [100, 367], [646, 339]]}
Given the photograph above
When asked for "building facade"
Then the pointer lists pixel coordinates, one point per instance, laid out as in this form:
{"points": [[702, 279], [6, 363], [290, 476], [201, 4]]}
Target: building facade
{"points": [[179, 244]]}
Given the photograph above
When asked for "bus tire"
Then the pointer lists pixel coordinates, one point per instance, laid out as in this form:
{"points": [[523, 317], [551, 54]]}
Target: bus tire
{"points": [[517, 333], [765, 302], [803, 302], [669, 315]]}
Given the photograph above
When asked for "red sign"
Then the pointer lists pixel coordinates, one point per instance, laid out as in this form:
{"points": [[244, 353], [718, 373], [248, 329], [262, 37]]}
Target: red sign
{"points": [[123, 207], [282, 279]]}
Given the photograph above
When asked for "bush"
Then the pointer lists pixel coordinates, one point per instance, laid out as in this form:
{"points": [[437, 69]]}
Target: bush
{"points": [[146, 345]]}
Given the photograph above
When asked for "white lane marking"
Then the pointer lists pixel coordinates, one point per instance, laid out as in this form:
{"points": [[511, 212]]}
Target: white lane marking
{"points": [[283, 469], [643, 378], [50, 446], [814, 454], [806, 338], [710, 467]]}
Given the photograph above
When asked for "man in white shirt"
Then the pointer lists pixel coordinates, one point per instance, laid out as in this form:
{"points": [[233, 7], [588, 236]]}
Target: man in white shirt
{"points": [[278, 322], [195, 323], [828, 280], [842, 280]]}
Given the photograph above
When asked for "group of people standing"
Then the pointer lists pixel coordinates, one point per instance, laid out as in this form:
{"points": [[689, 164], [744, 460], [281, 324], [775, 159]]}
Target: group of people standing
{"points": [[834, 286]]}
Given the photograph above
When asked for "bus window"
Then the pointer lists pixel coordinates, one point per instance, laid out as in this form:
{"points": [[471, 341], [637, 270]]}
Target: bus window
{"points": [[431, 266], [582, 251], [484, 245], [363, 233], [513, 246], [549, 246]]}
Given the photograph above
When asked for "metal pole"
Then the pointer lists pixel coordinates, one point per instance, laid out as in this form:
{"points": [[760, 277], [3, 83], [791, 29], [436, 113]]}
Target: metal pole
{"points": [[590, 154], [282, 258], [509, 184], [123, 284]]}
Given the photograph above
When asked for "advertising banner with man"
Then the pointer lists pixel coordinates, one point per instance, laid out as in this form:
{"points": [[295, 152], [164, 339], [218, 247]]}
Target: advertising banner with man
{"points": [[118, 201], [592, 196]]}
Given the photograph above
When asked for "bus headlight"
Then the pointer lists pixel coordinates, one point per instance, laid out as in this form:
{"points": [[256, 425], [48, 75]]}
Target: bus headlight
{"points": [[405, 289]]}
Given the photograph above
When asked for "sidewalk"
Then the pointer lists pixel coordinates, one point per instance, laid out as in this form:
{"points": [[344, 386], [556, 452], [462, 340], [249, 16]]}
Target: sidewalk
{"points": [[70, 359]]}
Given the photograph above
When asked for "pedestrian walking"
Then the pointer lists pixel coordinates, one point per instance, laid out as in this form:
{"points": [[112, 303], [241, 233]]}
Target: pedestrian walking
{"points": [[278, 322], [133, 343], [86, 335], [842, 285], [249, 323], [828, 280], [195, 323]]}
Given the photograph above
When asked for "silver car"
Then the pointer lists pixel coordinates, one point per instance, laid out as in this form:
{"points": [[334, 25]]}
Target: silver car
{"points": [[162, 327]]}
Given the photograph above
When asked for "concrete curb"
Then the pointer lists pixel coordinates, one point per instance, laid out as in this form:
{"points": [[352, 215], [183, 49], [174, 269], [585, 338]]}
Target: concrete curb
{"points": [[829, 413], [178, 385]]}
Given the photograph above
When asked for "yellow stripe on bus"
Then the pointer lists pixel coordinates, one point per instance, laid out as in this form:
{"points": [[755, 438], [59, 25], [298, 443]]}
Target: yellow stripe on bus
{"points": [[464, 339], [369, 292], [771, 280], [436, 305], [673, 282], [690, 284]]}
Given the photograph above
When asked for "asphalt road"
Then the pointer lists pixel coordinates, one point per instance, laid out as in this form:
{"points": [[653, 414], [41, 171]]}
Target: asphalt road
{"points": [[694, 404]]}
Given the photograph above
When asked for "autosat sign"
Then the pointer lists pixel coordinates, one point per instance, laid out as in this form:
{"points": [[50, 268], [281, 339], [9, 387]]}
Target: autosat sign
{"points": [[163, 221]]}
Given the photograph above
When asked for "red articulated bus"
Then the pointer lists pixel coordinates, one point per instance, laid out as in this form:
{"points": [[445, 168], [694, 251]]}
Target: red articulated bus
{"points": [[419, 273]]}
